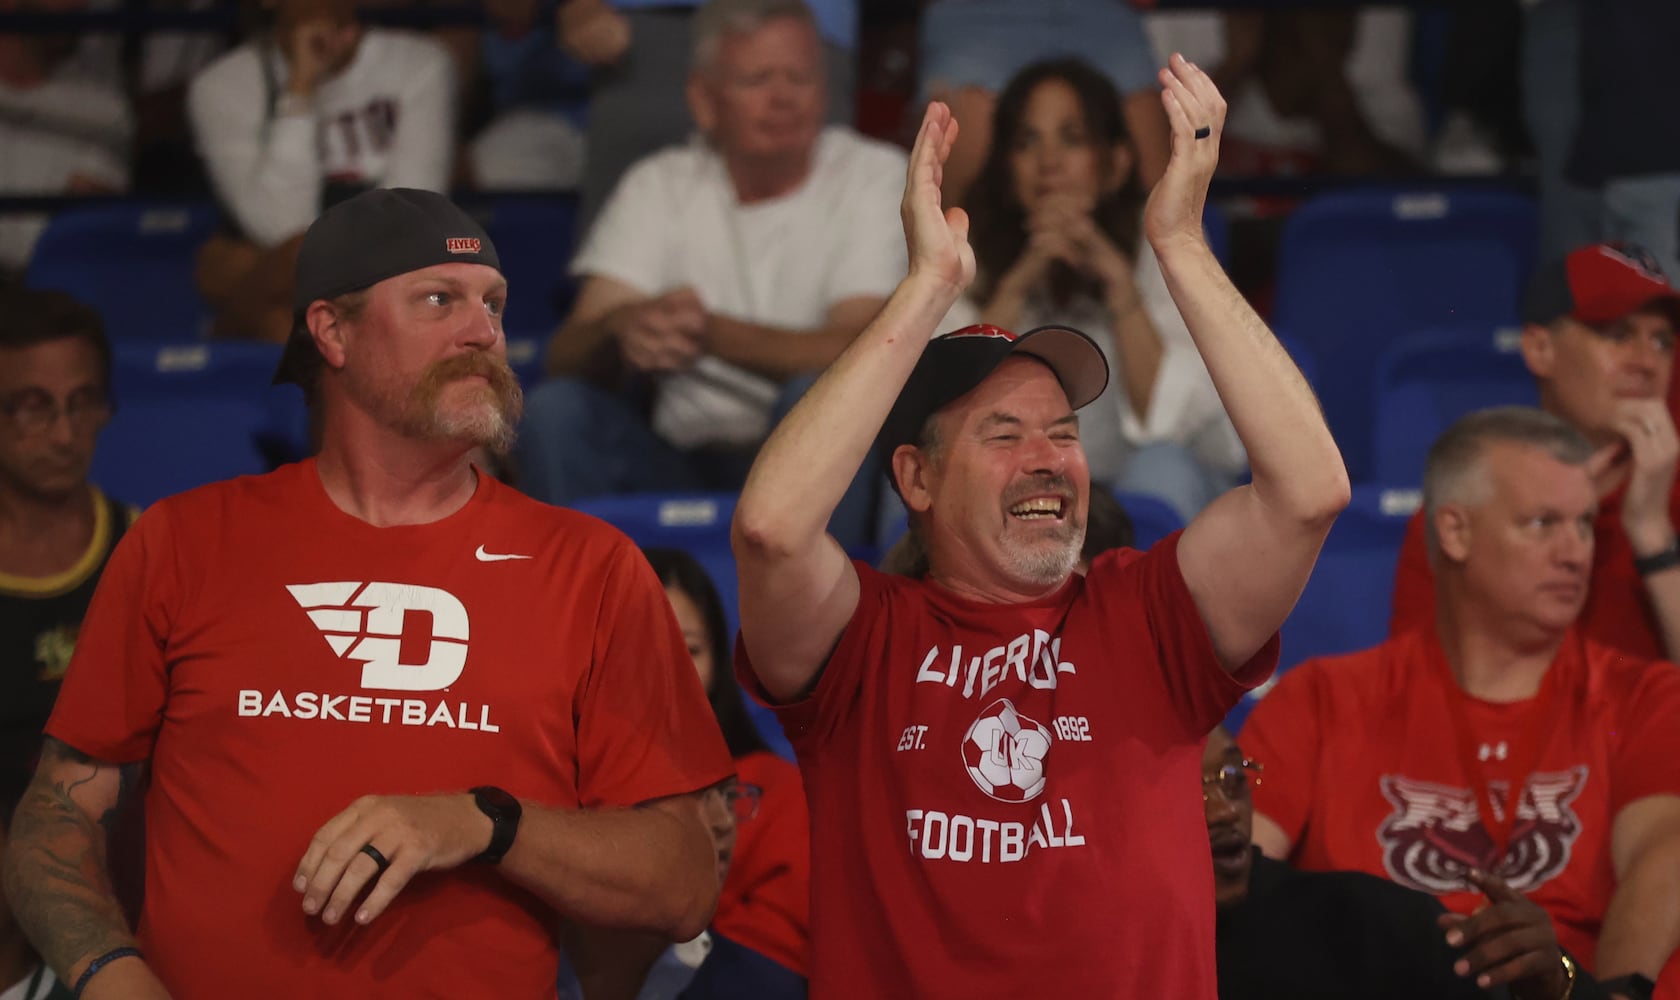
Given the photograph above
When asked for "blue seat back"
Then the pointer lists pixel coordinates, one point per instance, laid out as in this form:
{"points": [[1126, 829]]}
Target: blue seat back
{"points": [[134, 262], [190, 414], [1427, 380], [1357, 269]]}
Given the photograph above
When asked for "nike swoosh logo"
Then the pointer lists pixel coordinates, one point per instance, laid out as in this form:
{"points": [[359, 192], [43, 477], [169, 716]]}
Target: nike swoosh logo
{"points": [[484, 556]]}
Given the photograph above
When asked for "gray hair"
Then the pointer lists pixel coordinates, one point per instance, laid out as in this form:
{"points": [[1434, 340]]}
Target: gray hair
{"points": [[1455, 472], [720, 19]]}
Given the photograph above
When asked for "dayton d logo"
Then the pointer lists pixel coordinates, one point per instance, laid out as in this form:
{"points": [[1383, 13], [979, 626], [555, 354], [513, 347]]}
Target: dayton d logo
{"points": [[371, 623]]}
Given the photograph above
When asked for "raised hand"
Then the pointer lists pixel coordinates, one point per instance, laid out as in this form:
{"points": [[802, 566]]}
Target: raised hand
{"points": [[1509, 941], [1194, 106], [936, 237]]}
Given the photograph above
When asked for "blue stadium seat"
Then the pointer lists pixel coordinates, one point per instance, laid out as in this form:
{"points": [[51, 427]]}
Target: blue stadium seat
{"points": [[1348, 599], [1426, 381], [1152, 518], [133, 261], [697, 523], [1357, 269], [190, 414], [534, 238], [525, 357]]}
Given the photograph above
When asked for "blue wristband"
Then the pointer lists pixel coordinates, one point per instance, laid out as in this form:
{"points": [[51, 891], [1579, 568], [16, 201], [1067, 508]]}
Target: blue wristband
{"points": [[100, 963]]}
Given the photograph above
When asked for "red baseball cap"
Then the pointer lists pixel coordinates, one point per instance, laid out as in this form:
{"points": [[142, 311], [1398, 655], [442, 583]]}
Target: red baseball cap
{"points": [[1598, 285]]}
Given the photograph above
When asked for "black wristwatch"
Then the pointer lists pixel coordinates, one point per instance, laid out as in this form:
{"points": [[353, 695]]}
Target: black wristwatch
{"points": [[504, 812], [1634, 986], [1656, 562]]}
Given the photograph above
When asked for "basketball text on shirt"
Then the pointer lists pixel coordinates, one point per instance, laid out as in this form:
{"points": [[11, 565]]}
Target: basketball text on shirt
{"points": [[406, 636]]}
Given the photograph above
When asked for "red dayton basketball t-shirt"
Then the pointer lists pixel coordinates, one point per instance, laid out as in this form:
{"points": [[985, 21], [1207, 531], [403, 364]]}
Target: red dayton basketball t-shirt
{"points": [[1005, 798], [1617, 613], [1363, 771], [276, 658]]}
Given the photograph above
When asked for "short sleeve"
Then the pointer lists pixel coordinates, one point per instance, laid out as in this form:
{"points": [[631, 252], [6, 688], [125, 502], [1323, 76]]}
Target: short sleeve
{"points": [[1414, 582], [644, 727], [1200, 689], [1282, 735], [625, 241], [810, 721], [111, 703], [1646, 758]]}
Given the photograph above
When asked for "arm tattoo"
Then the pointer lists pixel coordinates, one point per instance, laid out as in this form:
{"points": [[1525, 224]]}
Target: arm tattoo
{"points": [[55, 874]]}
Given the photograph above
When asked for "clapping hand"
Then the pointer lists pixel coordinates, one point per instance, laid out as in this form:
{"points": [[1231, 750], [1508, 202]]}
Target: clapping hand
{"points": [[1197, 114], [937, 237]]}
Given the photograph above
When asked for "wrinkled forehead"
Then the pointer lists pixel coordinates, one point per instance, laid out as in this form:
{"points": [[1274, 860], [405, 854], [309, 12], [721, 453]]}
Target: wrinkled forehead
{"points": [[1022, 386]]}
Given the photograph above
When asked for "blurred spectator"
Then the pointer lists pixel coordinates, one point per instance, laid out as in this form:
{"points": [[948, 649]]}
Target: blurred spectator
{"points": [[1056, 235], [56, 531], [534, 139], [1625, 146], [1500, 738], [1481, 130], [1551, 93], [765, 905], [1284, 933], [1311, 89], [65, 125], [971, 48], [639, 50], [722, 275], [1599, 338], [312, 110]]}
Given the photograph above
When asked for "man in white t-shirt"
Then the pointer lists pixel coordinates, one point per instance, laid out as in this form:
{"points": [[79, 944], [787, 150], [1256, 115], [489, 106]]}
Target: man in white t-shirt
{"points": [[306, 114], [65, 126], [720, 276]]}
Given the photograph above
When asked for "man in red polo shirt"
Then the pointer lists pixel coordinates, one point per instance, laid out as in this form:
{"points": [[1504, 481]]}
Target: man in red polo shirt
{"points": [[1501, 738], [1599, 338]]}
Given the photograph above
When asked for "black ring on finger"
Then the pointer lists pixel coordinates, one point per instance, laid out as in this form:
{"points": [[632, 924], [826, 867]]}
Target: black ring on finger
{"points": [[1203, 132], [378, 858]]}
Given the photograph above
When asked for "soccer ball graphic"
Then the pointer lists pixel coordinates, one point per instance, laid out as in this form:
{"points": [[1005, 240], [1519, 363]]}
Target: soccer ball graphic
{"points": [[1004, 753]]}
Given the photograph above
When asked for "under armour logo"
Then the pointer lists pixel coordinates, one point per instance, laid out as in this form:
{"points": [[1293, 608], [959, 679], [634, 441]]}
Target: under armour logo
{"points": [[1497, 751], [368, 622]]}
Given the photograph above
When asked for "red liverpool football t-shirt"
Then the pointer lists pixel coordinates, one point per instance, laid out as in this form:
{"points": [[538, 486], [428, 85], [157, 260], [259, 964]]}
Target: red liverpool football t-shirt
{"points": [[1005, 799], [276, 658]]}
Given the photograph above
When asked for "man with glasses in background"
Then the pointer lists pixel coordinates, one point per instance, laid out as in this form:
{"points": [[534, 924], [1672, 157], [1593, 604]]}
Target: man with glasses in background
{"points": [[1282, 932], [56, 531]]}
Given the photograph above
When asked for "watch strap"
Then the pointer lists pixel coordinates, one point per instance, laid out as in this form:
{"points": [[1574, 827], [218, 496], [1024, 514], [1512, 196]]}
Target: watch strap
{"points": [[1658, 561], [504, 812]]}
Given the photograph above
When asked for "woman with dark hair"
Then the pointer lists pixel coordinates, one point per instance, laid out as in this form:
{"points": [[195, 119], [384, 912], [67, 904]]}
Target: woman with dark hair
{"points": [[765, 903], [1055, 229]]}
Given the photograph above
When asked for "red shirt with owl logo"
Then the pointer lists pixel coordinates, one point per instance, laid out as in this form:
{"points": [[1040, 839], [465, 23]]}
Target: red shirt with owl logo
{"points": [[1366, 769], [1005, 798]]}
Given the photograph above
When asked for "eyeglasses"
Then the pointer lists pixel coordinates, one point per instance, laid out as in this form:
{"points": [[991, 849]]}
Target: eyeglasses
{"points": [[1232, 780], [743, 800], [35, 412]]}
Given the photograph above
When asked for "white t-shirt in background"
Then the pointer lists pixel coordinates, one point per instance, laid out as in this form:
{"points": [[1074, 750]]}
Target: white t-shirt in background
{"points": [[386, 120], [673, 221]]}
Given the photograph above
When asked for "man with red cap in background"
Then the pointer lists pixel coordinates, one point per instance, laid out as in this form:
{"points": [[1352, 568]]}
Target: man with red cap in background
{"points": [[1598, 336]]}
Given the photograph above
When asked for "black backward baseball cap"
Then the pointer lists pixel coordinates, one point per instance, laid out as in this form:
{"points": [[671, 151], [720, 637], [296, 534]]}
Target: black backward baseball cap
{"points": [[953, 364], [375, 235]]}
